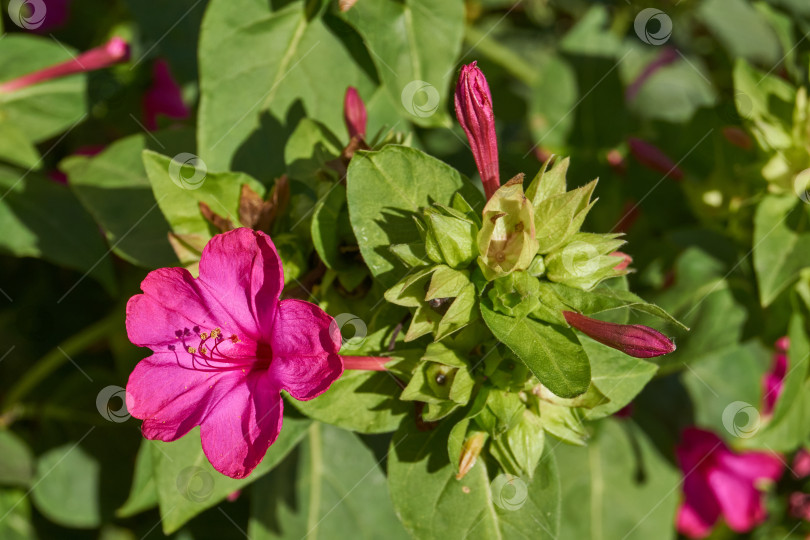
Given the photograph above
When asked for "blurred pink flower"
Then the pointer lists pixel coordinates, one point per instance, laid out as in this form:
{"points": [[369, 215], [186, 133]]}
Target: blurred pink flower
{"points": [[114, 51], [801, 464], [719, 482], [738, 137], [354, 113], [224, 346], [473, 102], [624, 263], [799, 505], [164, 97], [773, 381], [55, 15], [654, 158], [632, 339]]}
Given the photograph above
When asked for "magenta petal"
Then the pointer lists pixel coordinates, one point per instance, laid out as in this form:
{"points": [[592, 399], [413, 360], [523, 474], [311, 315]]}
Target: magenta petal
{"points": [[752, 465], [170, 398], [242, 425], [738, 498], [241, 273], [305, 349], [699, 511]]}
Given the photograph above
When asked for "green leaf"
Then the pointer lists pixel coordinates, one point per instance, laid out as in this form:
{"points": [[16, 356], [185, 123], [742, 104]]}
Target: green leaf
{"points": [[17, 465], [143, 493], [432, 504], [310, 147], [618, 486], [33, 214], [359, 401], [332, 486], [682, 85], [781, 244], [409, 180], [552, 353], [724, 378], [187, 484], [742, 30], [601, 299], [15, 507], [414, 45], [789, 427], [114, 188], [16, 148], [180, 205], [42, 110], [618, 376], [255, 63], [66, 487]]}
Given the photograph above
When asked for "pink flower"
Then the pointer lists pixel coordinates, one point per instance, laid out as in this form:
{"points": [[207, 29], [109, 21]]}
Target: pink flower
{"points": [[114, 51], [354, 113], [224, 346], [799, 505], [719, 482], [474, 112], [164, 97], [56, 15], [632, 339], [801, 464], [773, 381], [738, 137], [653, 158]]}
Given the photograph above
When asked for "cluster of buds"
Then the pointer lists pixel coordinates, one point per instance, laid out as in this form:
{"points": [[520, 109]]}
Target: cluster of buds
{"points": [[523, 257]]}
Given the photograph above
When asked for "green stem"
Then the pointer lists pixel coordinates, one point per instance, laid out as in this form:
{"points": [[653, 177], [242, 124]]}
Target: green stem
{"points": [[503, 56], [58, 356]]}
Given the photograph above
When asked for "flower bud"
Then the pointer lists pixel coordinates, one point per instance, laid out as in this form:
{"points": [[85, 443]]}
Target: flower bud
{"points": [[515, 295], [507, 242], [470, 451], [114, 51], [653, 158], [450, 237], [474, 112], [585, 261], [632, 339], [354, 113]]}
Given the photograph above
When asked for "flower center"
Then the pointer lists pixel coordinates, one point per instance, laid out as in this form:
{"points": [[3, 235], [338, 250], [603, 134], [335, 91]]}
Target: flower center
{"points": [[215, 351]]}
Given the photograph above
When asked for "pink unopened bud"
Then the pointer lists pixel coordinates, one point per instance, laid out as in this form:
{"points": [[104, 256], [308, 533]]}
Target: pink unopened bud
{"points": [[632, 339], [616, 161], [114, 51], [782, 344], [667, 56], [653, 158], [624, 263], [738, 137], [164, 97], [474, 112], [801, 464], [354, 113]]}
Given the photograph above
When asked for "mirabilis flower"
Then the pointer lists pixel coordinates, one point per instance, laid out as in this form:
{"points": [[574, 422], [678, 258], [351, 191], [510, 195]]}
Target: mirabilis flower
{"points": [[719, 482], [354, 113], [224, 346]]}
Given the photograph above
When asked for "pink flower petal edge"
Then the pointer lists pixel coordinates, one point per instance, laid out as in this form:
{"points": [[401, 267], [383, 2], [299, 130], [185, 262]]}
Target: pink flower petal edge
{"points": [[224, 347], [719, 482]]}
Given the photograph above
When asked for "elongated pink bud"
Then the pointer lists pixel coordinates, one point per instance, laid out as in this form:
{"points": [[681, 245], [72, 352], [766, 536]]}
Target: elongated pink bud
{"points": [[365, 363], [112, 52], [667, 56], [624, 263], [474, 112], [632, 339], [738, 137], [354, 113], [653, 158]]}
